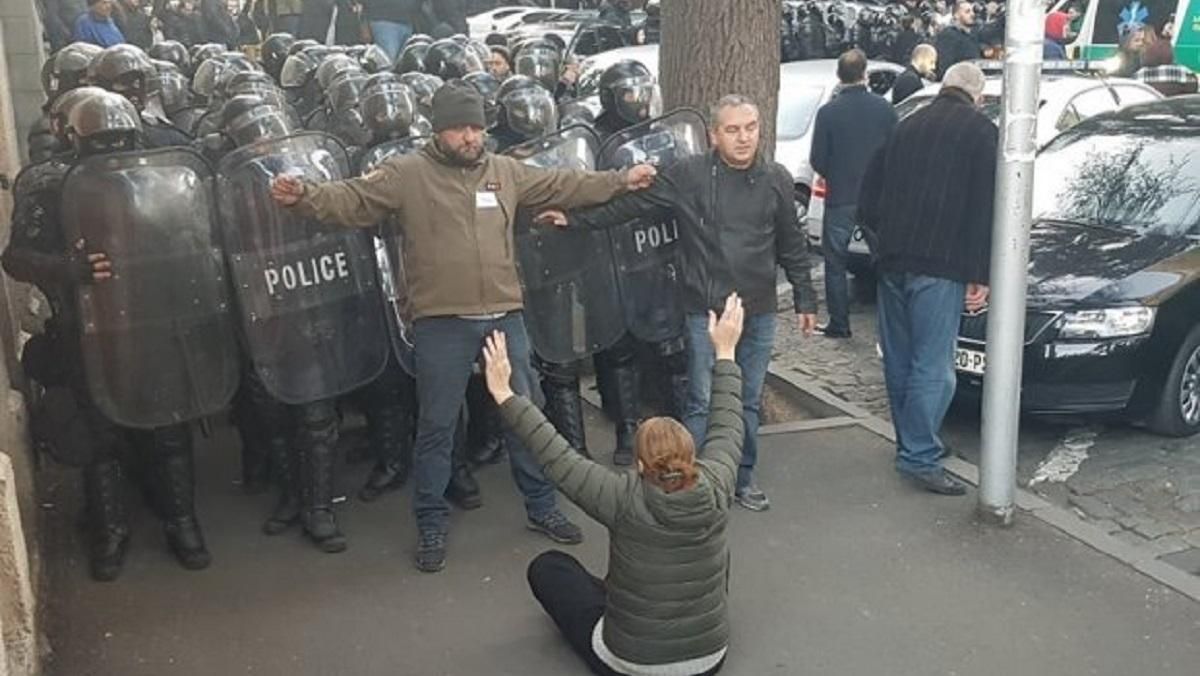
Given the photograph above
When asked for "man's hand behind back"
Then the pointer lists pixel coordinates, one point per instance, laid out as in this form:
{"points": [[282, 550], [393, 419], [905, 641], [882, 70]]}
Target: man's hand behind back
{"points": [[976, 297]]}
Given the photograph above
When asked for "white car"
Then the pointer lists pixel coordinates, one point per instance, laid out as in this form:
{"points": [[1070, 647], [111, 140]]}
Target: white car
{"points": [[499, 20], [1066, 100]]}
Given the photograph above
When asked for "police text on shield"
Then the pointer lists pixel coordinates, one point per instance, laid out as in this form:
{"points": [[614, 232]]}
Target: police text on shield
{"points": [[305, 273]]}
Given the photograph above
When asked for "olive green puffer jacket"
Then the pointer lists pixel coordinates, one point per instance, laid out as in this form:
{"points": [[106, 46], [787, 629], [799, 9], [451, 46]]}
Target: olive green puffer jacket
{"points": [[668, 560]]}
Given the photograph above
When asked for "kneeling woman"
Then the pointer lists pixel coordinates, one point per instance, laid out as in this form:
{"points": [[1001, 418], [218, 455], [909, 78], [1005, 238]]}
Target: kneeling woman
{"points": [[662, 608]]}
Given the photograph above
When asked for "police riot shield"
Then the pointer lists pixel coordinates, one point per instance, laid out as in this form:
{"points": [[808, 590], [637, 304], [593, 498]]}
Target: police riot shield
{"points": [[307, 293], [572, 307], [158, 338], [389, 256], [645, 253]]}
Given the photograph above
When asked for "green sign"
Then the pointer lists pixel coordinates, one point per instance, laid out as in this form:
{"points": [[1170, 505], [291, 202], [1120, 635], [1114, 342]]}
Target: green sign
{"points": [[1187, 47]]}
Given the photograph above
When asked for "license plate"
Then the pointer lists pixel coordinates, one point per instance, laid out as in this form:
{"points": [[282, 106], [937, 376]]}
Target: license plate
{"points": [[970, 361]]}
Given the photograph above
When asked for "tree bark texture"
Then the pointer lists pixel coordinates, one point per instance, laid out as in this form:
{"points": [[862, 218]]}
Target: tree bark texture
{"points": [[711, 48]]}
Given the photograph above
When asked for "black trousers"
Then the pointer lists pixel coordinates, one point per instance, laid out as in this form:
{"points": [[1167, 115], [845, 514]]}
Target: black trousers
{"points": [[574, 599]]}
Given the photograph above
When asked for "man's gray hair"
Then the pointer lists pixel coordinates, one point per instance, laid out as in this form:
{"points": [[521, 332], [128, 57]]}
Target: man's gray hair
{"points": [[965, 76], [729, 101]]}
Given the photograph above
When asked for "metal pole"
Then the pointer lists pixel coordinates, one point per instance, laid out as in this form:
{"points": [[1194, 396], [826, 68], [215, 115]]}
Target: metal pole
{"points": [[1010, 257]]}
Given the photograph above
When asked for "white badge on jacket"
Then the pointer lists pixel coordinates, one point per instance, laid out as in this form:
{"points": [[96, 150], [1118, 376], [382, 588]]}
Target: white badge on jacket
{"points": [[485, 199]]}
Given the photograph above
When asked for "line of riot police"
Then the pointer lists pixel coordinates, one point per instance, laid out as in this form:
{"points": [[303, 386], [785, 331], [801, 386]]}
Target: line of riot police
{"points": [[825, 29], [179, 290]]}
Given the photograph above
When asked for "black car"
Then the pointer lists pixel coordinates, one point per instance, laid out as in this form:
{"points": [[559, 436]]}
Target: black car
{"points": [[1113, 320]]}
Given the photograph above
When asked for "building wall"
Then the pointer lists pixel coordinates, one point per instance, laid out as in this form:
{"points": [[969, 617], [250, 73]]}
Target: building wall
{"points": [[21, 97], [24, 51]]}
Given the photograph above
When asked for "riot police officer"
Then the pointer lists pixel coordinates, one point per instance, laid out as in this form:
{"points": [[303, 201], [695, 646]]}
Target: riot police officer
{"points": [[275, 50], [39, 253], [526, 111], [452, 60], [64, 71], [128, 71], [628, 94], [309, 304], [174, 52]]}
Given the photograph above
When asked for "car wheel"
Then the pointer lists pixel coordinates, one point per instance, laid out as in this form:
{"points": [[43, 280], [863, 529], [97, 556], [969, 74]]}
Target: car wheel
{"points": [[1177, 413]]}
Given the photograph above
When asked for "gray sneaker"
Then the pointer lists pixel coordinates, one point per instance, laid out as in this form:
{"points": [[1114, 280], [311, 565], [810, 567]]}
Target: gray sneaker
{"points": [[752, 498]]}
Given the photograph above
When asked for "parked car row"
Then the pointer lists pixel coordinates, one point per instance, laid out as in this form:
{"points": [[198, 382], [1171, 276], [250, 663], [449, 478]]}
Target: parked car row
{"points": [[1113, 323]]}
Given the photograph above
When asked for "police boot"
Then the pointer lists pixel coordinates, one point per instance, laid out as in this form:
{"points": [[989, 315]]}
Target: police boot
{"points": [[463, 489], [391, 432], [628, 406], [108, 529], [485, 429], [176, 479], [675, 359], [318, 446], [564, 409], [287, 510], [255, 451]]}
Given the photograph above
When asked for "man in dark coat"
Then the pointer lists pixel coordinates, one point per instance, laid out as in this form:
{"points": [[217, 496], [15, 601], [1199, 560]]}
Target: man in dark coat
{"points": [[926, 207], [847, 132]]}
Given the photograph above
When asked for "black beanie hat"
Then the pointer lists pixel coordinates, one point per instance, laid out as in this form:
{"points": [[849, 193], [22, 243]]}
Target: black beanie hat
{"points": [[457, 104]]}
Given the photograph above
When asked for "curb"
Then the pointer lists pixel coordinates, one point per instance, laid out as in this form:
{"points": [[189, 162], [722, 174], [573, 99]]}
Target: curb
{"points": [[1059, 518]]}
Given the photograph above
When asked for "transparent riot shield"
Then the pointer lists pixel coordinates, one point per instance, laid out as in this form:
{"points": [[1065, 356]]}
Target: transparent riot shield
{"points": [[158, 338], [572, 306], [389, 256], [645, 253], [308, 293]]}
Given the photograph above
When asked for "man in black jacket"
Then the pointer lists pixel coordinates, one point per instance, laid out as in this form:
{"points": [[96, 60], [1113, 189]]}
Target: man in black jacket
{"points": [[737, 222], [918, 74], [958, 41], [926, 205], [848, 131]]}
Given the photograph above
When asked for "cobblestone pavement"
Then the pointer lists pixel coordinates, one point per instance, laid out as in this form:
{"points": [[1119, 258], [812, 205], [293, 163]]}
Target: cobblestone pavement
{"points": [[1142, 488]]}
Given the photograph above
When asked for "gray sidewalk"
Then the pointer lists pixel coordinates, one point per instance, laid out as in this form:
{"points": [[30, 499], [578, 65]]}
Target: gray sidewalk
{"points": [[851, 572]]}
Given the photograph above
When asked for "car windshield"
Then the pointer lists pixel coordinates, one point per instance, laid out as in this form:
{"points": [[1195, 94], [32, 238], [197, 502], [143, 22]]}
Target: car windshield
{"points": [[797, 108], [1142, 176]]}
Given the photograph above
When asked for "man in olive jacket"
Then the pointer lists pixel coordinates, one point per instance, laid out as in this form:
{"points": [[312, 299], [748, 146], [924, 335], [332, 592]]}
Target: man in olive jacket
{"points": [[455, 204]]}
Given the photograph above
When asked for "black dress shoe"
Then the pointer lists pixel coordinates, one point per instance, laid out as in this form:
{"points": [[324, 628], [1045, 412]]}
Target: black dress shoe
{"points": [[824, 330]]}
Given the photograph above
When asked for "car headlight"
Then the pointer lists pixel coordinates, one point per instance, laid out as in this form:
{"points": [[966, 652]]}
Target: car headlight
{"points": [[1113, 322]]}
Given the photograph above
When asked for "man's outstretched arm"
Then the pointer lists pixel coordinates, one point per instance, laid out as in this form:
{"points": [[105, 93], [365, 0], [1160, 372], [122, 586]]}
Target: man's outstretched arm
{"points": [[361, 202]]}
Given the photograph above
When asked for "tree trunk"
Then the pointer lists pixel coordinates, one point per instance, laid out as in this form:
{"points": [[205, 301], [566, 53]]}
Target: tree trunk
{"points": [[711, 48]]}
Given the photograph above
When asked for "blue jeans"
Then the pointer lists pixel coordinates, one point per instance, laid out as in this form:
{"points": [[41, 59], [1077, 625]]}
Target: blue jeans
{"points": [[836, 231], [391, 36], [446, 350], [918, 329], [753, 355]]}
